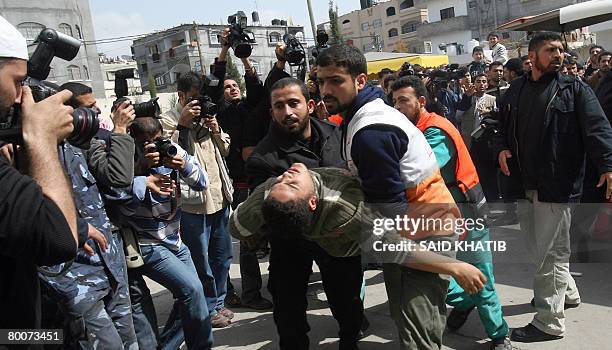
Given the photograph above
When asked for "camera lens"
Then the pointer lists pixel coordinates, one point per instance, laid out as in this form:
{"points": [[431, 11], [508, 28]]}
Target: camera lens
{"points": [[86, 125]]}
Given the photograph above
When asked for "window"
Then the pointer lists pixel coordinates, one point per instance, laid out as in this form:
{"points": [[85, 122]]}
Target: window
{"points": [[377, 23], [406, 4], [74, 72], [447, 13], [159, 80], [86, 72], [505, 35], [274, 37], [213, 36], [78, 30], [65, 28], [144, 67], [346, 23], [365, 26], [390, 11], [428, 46], [409, 27], [472, 4], [153, 49], [30, 30], [393, 32], [51, 76]]}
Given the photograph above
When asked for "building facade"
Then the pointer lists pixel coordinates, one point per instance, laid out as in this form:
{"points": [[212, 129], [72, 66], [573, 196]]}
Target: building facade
{"points": [[161, 57], [71, 17]]}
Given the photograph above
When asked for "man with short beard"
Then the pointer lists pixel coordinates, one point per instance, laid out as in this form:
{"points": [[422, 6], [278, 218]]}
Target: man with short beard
{"points": [[551, 122], [604, 62]]}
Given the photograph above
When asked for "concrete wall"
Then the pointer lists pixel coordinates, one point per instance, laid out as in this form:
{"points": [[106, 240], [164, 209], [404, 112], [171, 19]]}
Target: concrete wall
{"points": [[51, 14], [434, 7]]}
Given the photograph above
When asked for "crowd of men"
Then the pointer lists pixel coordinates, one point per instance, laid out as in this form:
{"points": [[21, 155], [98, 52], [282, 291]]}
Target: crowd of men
{"points": [[301, 168]]}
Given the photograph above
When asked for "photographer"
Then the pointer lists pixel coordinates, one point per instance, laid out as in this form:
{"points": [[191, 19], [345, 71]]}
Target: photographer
{"points": [[38, 225], [93, 293], [205, 213]]}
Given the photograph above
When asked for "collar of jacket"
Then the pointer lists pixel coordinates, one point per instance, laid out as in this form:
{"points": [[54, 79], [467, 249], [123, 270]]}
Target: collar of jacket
{"points": [[562, 80], [288, 143], [366, 95]]}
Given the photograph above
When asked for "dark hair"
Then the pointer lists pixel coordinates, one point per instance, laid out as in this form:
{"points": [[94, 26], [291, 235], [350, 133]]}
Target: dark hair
{"points": [[388, 80], [595, 47], [411, 81], [292, 218], [77, 90], [495, 64], [480, 75], [492, 34], [603, 53], [515, 65], [570, 60], [524, 58], [290, 81], [188, 81], [540, 38], [384, 72], [477, 49], [344, 56], [579, 65], [145, 126]]}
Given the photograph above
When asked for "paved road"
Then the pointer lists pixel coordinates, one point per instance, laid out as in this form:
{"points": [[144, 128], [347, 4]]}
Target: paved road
{"points": [[587, 326]]}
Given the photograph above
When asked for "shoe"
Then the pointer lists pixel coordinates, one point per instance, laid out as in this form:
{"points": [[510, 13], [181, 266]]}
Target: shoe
{"points": [[365, 324], [262, 253], [530, 334], [457, 318], [565, 306], [233, 300], [258, 304], [501, 344], [227, 313], [220, 321]]}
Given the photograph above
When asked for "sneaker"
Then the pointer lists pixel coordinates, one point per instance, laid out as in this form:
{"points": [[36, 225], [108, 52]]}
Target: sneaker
{"points": [[530, 334], [501, 344], [233, 300], [227, 313], [220, 321], [457, 318], [258, 304], [565, 306]]}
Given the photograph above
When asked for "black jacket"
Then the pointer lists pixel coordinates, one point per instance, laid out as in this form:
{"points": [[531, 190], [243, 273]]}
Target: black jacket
{"points": [[574, 125], [278, 151]]}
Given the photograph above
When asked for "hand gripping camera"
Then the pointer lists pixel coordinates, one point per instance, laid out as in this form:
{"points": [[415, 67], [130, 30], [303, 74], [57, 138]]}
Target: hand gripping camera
{"points": [[50, 44], [240, 39], [145, 109], [294, 51]]}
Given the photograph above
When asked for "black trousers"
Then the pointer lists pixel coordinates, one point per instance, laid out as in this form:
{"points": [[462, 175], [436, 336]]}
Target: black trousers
{"points": [[290, 269], [486, 166]]}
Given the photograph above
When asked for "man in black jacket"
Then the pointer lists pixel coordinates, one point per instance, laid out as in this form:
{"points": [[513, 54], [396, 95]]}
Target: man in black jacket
{"points": [[551, 122], [294, 137]]}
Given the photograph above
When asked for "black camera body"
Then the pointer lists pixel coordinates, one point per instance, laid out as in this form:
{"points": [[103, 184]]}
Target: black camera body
{"points": [[322, 39], [294, 51], [150, 108], [240, 39], [208, 108], [165, 148], [51, 44]]}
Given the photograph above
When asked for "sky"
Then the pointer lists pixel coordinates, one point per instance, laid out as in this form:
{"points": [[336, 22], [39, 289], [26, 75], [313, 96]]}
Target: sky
{"points": [[115, 18]]}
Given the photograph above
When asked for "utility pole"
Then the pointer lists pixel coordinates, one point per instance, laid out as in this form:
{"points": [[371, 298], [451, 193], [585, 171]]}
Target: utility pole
{"points": [[312, 21], [197, 33]]}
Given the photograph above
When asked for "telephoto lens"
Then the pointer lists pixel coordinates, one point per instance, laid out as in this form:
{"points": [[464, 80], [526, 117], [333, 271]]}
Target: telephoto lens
{"points": [[165, 148], [86, 125]]}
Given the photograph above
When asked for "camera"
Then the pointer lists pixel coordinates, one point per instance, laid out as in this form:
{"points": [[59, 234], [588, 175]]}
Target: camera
{"points": [[240, 39], [294, 51], [322, 39], [144, 109], [406, 69], [206, 104], [51, 44], [165, 148]]}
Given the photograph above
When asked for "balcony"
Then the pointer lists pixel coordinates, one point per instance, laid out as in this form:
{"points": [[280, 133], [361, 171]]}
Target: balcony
{"points": [[450, 25]]}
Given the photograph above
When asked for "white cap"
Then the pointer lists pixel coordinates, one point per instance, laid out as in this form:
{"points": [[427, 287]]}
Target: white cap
{"points": [[12, 43]]}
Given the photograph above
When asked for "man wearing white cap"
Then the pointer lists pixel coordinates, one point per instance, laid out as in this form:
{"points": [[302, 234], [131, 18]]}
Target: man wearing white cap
{"points": [[38, 217]]}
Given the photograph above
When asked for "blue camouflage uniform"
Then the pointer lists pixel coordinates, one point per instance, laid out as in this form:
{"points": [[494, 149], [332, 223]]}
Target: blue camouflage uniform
{"points": [[93, 293]]}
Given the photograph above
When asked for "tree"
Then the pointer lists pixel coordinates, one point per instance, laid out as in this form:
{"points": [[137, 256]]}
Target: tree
{"points": [[336, 37], [152, 87], [232, 73]]}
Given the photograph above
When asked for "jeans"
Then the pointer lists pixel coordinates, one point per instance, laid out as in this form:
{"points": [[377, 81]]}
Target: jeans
{"points": [[175, 271], [143, 310], [209, 240], [290, 269]]}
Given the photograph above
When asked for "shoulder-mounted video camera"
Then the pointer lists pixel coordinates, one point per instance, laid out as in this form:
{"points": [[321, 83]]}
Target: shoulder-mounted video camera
{"points": [[294, 51], [240, 39], [50, 44], [322, 39]]}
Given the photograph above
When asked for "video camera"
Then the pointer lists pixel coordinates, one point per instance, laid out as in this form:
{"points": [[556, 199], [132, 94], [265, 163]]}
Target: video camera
{"points": [[294, 51], [51, 44], [322, 39], [405, 70], [240, 39], [144, 109]]}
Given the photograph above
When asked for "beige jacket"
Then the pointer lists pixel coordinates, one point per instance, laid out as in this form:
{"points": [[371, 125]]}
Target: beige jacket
{"points": [[210, 150]]}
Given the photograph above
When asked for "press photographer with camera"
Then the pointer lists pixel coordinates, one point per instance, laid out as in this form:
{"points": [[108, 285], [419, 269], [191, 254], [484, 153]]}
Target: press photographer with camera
{"points": [[38, 226]]}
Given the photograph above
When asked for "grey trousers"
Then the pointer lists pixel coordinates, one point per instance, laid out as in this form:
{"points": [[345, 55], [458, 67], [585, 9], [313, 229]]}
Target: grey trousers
{"points": [[417, 301], [546, 227]]}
